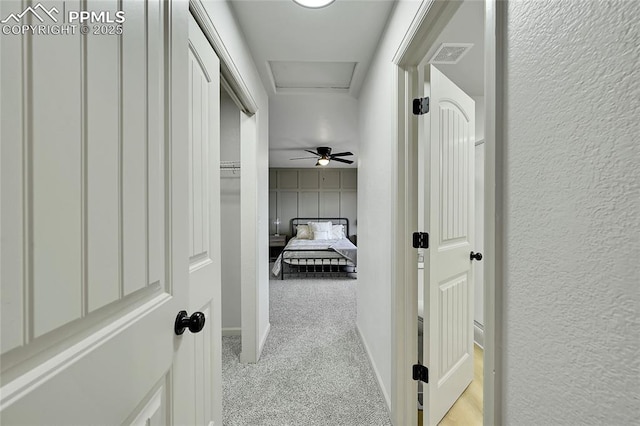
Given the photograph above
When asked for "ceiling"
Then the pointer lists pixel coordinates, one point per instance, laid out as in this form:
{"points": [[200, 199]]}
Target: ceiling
{"points": [[313, 62], [468, 73], [313, 39]]}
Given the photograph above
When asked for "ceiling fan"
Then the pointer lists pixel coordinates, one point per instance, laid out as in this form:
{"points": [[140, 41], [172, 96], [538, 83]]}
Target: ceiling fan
{"points": [[324, 155]]}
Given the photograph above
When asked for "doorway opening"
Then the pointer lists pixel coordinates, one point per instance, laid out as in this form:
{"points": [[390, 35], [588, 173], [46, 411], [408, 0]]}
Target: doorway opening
{"points": [[440, 26], [230, 178], [456, 167]]}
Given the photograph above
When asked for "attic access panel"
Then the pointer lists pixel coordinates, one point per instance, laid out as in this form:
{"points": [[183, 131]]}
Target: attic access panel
{"points": [[312, 75]]}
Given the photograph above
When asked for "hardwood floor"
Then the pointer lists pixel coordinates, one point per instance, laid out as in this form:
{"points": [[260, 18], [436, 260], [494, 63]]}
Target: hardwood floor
{"points": [[467, 411]]}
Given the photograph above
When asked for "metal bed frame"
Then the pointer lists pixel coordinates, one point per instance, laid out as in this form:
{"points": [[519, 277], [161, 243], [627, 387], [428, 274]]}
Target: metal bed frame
{"points": [[314, 265]]}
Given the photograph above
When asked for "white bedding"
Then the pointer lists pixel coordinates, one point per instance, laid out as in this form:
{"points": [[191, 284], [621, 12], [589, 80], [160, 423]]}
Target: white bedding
{"points": [[342, 253]]}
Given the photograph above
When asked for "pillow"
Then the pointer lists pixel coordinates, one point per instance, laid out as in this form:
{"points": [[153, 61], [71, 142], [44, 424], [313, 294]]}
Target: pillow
{"points": [[303, 232], [320, 226], [321, 235], [337, 232]]}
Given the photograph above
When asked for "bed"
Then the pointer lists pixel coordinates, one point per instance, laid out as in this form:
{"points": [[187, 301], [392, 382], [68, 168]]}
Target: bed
{"points": [[319, 247]]}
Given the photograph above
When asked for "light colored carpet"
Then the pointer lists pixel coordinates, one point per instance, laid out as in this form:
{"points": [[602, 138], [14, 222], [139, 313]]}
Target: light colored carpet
{"points": [[313, 370]]}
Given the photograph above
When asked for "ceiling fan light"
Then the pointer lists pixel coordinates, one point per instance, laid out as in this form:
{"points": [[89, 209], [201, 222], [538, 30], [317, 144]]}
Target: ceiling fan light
{"points": [[323, 161], [314, 4]]}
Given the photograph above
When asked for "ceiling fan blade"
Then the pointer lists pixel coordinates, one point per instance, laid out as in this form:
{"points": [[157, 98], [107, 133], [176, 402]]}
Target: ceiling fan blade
{"points": [[342, 161], [342, 154], [302, 158], [312, 152]]}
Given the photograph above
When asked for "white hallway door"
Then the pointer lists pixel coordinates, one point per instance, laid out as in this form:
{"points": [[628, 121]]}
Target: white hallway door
{"points": [[203, 361], [448, 132], [95, 246]]}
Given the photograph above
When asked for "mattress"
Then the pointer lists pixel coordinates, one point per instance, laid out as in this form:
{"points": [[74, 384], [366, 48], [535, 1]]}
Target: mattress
{"points": [[317, 252]]}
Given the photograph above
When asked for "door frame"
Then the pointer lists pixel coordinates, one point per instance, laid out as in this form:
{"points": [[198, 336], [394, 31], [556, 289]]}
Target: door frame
{"points": [[234, 84], [431, 17]]}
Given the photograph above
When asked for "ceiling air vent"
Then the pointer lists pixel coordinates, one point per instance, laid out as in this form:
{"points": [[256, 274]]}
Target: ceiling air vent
{"points": [[450, 53]]}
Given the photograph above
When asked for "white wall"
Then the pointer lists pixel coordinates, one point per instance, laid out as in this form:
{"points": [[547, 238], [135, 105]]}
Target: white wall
{"points": [[255, 190], [376, 192], [230, 213], [303, 121], [571, 294]]}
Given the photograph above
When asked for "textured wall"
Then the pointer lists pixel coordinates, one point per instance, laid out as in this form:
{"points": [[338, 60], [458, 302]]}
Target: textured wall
{"points": [[571, 323]]}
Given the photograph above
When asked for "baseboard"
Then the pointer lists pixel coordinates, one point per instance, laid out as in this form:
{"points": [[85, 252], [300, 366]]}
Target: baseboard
{"points": [[375, 370], [478, 334], [232, 331], [263, 340]]}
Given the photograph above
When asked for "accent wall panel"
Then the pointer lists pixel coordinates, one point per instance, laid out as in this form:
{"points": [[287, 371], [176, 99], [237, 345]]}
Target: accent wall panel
{"points": [[309, 179], [273, 213], [308, 204], [287, 205], [349, 209], [287, 179], [349, 180], [331, 179], [329, 204], [318, 193], [273, 179]]}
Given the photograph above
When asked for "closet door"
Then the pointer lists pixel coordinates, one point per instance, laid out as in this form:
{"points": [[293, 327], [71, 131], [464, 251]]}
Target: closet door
{"points": [[94, 229]]}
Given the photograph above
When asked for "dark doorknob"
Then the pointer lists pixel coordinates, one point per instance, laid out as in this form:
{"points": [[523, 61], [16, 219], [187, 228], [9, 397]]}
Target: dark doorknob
{"points": [[475, 256], [195, 322]]}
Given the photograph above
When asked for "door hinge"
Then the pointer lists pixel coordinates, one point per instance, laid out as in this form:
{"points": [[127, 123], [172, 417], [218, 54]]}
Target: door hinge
{"points": [[420, 106], [420, 240], [420, 372]]}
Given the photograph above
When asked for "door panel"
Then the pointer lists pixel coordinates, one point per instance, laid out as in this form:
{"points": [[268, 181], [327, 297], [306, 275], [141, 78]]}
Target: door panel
{"points": [[199, 162], [53, 171], [204, 359], [103, 166], [205, 388], [448, 291], [154, 412], [94, 247]]}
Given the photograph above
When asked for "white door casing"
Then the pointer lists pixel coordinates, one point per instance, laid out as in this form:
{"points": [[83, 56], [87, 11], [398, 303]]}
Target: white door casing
{"points": [[94, 218], [448, 285], [202, 361]]}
